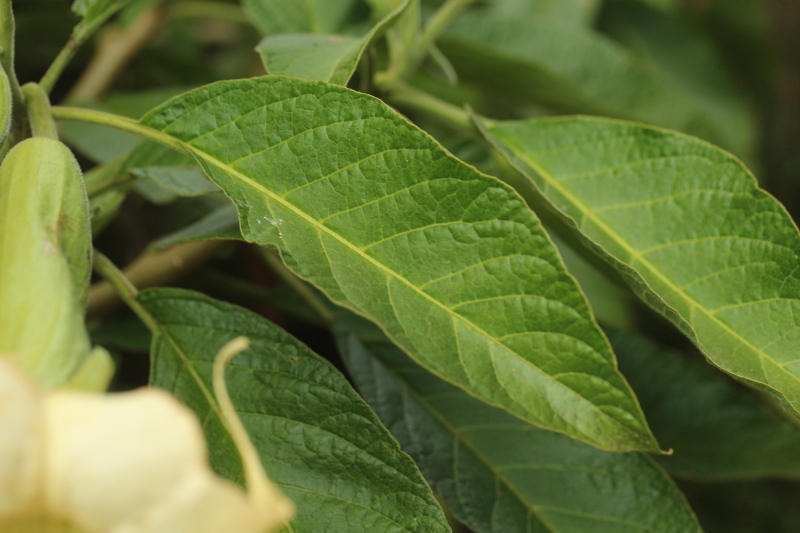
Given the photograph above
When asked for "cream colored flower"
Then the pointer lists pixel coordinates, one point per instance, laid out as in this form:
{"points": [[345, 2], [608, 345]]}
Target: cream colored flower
{"points": [[131, 462]]}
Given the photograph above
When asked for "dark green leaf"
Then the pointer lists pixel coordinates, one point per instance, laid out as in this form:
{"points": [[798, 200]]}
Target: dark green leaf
{"points": [[717, 430], [95, 12], [572, 70], [222, 223], [448, 261], [317, 439], [499, 474], [687, 225], [331, 58]]}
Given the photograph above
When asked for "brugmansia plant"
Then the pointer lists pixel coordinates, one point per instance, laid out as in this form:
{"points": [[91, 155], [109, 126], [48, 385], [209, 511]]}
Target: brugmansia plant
{"points": [[546, 291]]}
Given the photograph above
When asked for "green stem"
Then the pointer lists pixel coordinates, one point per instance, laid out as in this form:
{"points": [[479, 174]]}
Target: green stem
{"points": [[19, 128], [61, 61], [118, 122], [434, 28], [41, 118], [123, 287], [405, 95], [297, 285]]}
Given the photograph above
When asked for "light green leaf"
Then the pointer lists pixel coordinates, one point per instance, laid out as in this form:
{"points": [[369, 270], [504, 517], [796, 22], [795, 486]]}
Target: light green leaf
{"points": [[717, 430], [499, 474], [304, 16], [45, 258], [573, 70], [222, 223], [448, 261], [317, 439], [331, 58], [5, 106], [688, 227]]}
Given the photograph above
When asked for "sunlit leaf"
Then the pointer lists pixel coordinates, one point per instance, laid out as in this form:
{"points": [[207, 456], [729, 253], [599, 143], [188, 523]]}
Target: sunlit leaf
{"points": [[499, 474], [448, 261], [688, 227], [317, 439]]}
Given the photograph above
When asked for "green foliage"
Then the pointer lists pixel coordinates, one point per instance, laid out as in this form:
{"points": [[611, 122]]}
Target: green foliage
{"points": [[401, 197]]}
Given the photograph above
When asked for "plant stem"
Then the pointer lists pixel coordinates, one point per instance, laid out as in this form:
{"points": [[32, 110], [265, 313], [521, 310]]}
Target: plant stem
{"points": [[63, 58], [151, 269], [122, 286], [115, 49], [41, 118], [207, 9], [434, 28], [297, 285], [119, 122], [19, 127], [406, 95]]}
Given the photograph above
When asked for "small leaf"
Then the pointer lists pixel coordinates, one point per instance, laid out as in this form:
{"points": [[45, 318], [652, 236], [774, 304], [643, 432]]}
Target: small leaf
{"points": [[317, 439], [222, 223], [572, 70], [449, 261], [95, 12], [718, 432], [499, 474], [290, 16], [687, 226], [45, 258]]}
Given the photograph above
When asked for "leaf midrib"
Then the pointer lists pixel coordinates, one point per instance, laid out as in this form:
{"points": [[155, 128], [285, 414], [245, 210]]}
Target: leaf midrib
{"points": [[635, 254], [391, 273]]}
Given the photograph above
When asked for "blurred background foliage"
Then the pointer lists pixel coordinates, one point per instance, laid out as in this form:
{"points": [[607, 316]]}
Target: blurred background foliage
{"points": [[724, 70]]}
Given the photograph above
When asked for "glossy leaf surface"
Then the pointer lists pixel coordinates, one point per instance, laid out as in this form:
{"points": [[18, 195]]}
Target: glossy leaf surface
{"points": [[716, 429], [688, 227], [331, 58], [317, 439], [448, 261], [499, 474]]}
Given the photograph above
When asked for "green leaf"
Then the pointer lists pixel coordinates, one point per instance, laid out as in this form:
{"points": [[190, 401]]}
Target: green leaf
{"points": [[718, 432], [331, 58], [573, 70], [95, 12], [316, 437], [577, 13], [448, 261], [45, 258], [5, 106], [688, 58], [497, 473], [222, 223], [292, 16], [688, 227]]}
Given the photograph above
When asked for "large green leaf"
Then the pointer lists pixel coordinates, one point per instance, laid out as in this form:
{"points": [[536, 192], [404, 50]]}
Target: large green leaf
{"points": [[331, 58], [316, 437], [298, 16], [715, 428], [499, 474], [572, 70], [448, 261], [45, 257], [687, 225]]}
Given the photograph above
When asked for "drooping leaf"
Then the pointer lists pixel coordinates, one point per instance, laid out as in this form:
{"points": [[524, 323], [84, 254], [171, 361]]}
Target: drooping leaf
{"points": [[331, 58], [222, 223], [717, 431], [499, 474], [573, 70], [290, 16], [45, 258], [690, 60], [316, 437], [448, 261], [688, 227]]}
